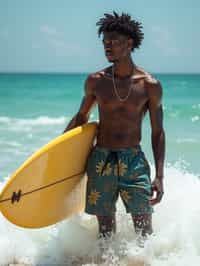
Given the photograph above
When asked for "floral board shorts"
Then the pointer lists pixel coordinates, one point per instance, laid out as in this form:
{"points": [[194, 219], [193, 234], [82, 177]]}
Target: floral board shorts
{"points": [[123, 172]]}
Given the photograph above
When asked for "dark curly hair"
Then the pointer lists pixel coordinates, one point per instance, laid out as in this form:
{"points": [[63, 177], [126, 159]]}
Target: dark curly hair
{"points": [[123, 25]]}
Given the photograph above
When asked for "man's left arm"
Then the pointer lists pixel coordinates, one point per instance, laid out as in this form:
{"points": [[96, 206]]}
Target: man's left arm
{"points": [[157, 137]]}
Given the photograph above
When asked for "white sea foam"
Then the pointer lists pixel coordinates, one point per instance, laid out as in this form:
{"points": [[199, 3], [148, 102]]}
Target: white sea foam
{"points": [[12, 144], [187, 140], [176, 238], [196, 106], [195, 118], [41, 120]]}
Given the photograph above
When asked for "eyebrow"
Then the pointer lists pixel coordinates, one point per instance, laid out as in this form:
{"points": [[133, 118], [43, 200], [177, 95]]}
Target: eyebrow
{"points": [[110, 39]]}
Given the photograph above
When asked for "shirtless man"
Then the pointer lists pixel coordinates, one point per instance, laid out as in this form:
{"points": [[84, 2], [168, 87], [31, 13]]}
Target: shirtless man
{"points": [[117, 166]]}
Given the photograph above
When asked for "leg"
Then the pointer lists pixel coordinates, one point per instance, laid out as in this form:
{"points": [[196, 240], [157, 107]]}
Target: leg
{"points": [[107, 225], [143, 224], [102, 194]]}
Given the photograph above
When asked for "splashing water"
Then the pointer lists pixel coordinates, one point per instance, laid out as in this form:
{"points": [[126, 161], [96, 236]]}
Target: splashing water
{"points": [[175, 241]]}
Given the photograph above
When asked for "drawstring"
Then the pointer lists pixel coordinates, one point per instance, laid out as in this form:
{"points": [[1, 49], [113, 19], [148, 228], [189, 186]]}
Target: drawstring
{"points": [[111, 155]]}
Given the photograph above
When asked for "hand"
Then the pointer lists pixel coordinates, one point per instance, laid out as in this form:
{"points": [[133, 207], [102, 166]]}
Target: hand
{"points": [[156, 187], [64, 131]]}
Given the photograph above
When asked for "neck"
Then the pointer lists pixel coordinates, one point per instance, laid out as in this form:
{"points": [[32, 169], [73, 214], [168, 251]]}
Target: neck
{"points": [[123, 68]]}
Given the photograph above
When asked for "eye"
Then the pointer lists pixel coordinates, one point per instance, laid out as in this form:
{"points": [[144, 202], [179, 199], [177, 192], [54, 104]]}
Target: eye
{"points": [[115, 42], [106, 42]]}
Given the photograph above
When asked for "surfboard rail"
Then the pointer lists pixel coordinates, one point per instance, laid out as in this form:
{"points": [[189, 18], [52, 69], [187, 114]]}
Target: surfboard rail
{"points": [[39, 191]]}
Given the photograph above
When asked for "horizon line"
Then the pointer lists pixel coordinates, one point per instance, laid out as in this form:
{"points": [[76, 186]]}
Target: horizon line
{"points": [[78, 72]]}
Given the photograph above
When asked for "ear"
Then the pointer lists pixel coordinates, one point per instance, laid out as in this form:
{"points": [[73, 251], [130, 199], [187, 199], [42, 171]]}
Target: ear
{"points": [[130, 44]]}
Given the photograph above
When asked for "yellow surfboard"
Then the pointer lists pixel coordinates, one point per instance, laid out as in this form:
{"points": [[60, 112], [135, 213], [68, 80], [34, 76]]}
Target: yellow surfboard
{"points": [[50, 185]]}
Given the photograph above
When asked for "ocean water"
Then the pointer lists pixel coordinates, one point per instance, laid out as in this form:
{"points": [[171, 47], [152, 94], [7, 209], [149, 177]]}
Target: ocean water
{"points": [[35, 108]]}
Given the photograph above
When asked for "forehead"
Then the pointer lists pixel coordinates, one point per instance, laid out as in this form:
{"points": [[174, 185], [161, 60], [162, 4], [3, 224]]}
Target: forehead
{"points": [[114, 35]]}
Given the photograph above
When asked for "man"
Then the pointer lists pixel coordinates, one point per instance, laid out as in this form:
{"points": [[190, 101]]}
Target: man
{"points": [[117, 166]]}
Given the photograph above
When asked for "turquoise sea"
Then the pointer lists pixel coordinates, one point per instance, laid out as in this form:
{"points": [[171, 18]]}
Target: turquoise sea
{"points": [[35, 108]]}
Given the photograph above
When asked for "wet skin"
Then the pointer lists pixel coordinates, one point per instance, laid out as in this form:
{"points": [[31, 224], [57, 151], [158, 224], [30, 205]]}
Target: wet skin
{"points": [[120, 122]]}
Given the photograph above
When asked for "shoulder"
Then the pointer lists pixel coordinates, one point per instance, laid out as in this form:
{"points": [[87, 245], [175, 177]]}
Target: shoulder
{"points": [[94, 78], [99, 75], [147, 77], [152, 85], [92, 81]]}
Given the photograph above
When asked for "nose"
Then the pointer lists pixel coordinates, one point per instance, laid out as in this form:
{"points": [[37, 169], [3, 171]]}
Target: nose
{"points": [[108, 47], [107, 44]]}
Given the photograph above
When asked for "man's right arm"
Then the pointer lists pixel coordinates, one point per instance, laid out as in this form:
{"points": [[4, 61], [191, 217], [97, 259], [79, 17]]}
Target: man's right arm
{"points": [[86, 106]]}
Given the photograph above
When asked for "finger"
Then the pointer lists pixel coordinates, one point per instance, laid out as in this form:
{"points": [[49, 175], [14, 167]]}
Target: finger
{"points": [[153, 185], [157, 199], [153, 188]]}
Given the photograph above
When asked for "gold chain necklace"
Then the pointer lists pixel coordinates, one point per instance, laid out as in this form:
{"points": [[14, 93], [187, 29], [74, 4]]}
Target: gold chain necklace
{"points": [[115, 89]]}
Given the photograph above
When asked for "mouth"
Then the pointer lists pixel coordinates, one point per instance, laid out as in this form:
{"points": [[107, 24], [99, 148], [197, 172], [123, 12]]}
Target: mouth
{"points": [[108, 54]]}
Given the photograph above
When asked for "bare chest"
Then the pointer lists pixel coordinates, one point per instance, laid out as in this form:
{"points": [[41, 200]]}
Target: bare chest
{"points": [[123, 95]]}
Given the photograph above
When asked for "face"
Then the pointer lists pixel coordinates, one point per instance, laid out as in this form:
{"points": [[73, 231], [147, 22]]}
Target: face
{"points": [[116, 46]]}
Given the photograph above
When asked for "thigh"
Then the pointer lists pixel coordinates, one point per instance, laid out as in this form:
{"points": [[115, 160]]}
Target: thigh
{"points": [[102, 192], [135, 186]]}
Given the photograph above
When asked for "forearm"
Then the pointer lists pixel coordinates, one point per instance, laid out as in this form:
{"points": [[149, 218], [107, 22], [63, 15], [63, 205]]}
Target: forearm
{"points": [[158, 146], [76, 121]]}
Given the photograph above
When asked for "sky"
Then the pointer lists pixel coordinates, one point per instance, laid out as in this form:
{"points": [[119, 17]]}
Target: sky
{"points": [[61, 35]]}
